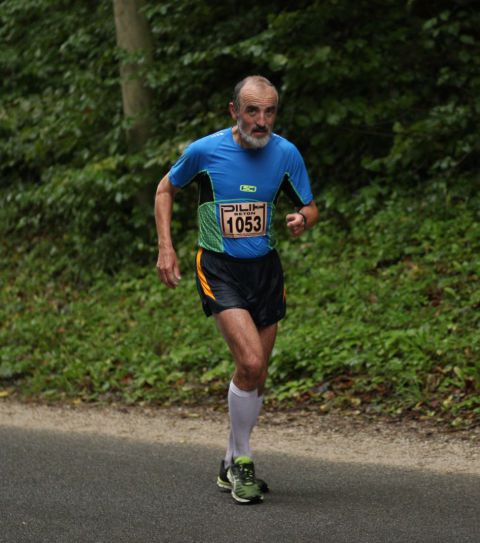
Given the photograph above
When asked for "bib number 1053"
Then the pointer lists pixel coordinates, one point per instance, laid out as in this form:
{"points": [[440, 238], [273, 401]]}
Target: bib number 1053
{"points": [[243, 220]]}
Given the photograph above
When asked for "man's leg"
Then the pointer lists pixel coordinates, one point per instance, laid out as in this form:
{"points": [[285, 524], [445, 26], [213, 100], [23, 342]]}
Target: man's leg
{"points": [[251, 348], [267, 335], [267, 338]]}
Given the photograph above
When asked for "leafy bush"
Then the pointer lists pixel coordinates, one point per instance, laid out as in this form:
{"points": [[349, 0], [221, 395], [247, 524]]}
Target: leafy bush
{"points": [[381, 92], [382, 100], [381, 316]]}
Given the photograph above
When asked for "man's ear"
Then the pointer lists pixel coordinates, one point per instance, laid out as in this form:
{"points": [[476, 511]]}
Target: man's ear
{"points": [[233, 111]]}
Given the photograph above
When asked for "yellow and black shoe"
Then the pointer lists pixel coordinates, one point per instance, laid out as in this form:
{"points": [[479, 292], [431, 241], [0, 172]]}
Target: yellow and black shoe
{"points": [[226, 486], [245, 488]]}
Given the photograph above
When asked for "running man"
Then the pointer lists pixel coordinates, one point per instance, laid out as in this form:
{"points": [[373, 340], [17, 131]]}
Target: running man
{"points": [[240, 173]]}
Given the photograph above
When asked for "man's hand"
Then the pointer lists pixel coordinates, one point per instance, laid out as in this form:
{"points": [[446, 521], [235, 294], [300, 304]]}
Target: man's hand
{"points": [[168, 268], [296, 224], [306, 216]]}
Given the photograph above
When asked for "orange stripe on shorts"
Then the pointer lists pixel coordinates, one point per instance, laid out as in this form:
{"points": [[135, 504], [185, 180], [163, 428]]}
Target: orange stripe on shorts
{"points": [[203, 280]]}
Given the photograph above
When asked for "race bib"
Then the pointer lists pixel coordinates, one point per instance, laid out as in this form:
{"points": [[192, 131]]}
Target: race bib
{"points": [[243, 220]]}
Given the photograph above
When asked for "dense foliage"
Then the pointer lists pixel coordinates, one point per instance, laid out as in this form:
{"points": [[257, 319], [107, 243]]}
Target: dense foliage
{"points": [[382, 98], [383, 316], [369, 90]]}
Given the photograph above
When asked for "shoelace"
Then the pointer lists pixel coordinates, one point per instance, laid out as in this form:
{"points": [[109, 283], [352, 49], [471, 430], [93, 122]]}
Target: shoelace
{"points": [[247, 474]]}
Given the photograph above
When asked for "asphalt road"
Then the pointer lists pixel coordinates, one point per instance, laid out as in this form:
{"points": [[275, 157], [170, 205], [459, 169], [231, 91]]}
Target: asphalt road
{"points": [[57, 487]]}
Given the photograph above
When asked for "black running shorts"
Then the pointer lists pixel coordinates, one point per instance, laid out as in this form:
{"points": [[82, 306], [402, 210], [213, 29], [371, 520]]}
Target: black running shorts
{"points": [[254, 284]]}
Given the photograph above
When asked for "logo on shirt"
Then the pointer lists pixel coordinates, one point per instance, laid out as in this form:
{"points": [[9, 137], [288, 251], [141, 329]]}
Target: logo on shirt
{"points": [[248, 188]]}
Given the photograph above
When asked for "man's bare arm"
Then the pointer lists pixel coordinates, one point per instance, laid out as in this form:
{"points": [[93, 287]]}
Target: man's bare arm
{"points": [[167, 263], [306, 217]]}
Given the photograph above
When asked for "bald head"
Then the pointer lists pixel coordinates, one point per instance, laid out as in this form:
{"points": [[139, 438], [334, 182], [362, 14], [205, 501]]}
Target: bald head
{"points": [[253, 82]]}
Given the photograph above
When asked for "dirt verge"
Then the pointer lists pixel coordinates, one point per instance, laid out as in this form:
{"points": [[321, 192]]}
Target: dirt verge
{"points": [[331, 437]]}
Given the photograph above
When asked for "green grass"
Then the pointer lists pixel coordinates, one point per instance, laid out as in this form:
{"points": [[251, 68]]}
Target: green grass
{"points": [[383, 317]]}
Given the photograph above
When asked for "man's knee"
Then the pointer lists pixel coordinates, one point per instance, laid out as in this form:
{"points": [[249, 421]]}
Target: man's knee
{"points": [[251, 370]]}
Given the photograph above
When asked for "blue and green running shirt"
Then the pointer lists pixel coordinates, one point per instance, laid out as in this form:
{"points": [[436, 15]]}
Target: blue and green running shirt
{"points": [[238, 190]]}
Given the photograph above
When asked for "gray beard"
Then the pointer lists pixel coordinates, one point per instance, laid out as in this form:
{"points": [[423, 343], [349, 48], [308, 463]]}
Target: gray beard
{"points": [[256, 143]]}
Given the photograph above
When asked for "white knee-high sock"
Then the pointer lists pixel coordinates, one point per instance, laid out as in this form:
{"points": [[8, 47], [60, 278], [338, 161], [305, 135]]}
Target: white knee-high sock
{"points": [[244, 409]]}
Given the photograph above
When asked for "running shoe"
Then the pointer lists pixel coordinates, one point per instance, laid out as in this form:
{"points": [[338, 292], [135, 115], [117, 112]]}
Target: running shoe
{"points": [[245, 488], [226, 486]]}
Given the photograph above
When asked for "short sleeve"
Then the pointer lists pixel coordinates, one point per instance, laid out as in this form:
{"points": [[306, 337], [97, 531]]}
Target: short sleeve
{"points": [[186, 167], [296, 182]]}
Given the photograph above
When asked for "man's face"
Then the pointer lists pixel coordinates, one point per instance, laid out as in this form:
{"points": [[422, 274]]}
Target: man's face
{"points": [[256, 115]]}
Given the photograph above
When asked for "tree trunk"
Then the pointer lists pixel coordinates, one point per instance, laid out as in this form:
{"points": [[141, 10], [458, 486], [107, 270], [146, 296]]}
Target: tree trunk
{"points": [[134, 37]]}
